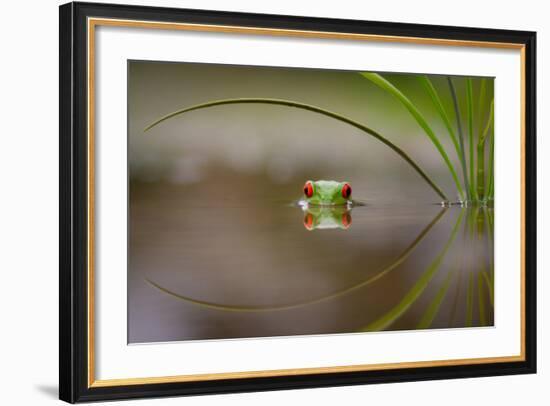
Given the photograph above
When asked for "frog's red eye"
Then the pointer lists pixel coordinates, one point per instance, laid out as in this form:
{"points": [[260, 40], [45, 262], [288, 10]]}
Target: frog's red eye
{"points": [[346, 191], [308, 189], [308, 221]]}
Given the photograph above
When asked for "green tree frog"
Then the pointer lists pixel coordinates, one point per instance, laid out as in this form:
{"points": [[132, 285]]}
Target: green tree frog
{"points": [[327, 205]]}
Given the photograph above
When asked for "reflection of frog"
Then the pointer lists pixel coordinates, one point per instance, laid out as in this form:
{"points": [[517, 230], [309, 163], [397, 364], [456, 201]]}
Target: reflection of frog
{"points": [[327, 204], [327, 217]]}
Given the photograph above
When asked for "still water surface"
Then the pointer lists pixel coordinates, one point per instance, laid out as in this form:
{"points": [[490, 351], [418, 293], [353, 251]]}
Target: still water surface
{"points": [[235, 258]]}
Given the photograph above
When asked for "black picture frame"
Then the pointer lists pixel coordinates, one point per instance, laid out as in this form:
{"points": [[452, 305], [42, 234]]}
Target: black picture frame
{"points": [[73, 255]]}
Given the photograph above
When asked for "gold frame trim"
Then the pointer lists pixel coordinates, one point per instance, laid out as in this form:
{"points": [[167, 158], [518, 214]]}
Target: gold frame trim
{"points": [[94, 22]]}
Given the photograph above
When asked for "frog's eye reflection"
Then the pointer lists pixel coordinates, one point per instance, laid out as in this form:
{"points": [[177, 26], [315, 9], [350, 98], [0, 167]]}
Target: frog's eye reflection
{"points": [[346, 220], [308, 189], [308, 221], [346, 191]]}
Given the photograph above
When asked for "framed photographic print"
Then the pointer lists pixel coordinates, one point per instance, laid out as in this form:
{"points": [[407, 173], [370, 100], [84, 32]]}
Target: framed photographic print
{"points": [[255, 202]]}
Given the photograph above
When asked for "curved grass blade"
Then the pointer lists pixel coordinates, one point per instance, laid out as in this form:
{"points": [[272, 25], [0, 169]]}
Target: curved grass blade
{"points": [[460, 136], [480, 171], [428, 85], [410, 298], [491, 134], [218, 306], [386, 85], [481, 155], [490, 170], [315, 109], [489, 123], [482, 108], [470, 116], [480, 183], [433, 308]]}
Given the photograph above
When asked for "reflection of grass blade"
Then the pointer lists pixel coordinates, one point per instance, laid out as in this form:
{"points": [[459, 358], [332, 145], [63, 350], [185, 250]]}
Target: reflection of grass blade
{"points": [[471, 222], [491, 274], [490, 248], [489, 287], [202, 303], [390, 317], [470, 116], [470, 301], [386, 85], [460, 135], [460, 275], [425, 81], [454, 307], [218, 306], [489, 225], [315, 109], [481, 300], [483, 225], [434, 306]]}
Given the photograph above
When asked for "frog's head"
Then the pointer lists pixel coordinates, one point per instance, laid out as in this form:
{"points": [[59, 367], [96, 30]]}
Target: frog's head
{"points": [[327, 193]]}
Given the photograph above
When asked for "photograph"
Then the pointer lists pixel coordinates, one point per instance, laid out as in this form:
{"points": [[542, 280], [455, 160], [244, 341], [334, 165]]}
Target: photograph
{"points": [[249, 203], [268, 201], [257, 202]]}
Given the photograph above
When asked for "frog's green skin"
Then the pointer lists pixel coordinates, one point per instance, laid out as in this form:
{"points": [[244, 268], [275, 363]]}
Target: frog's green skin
{"points": [[327, 217], [327, 193]]}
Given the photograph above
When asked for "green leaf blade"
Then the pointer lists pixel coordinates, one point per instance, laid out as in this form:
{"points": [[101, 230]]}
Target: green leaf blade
{"points": [[470, 117], [389, 87], [460, 137], [315, 109]]}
